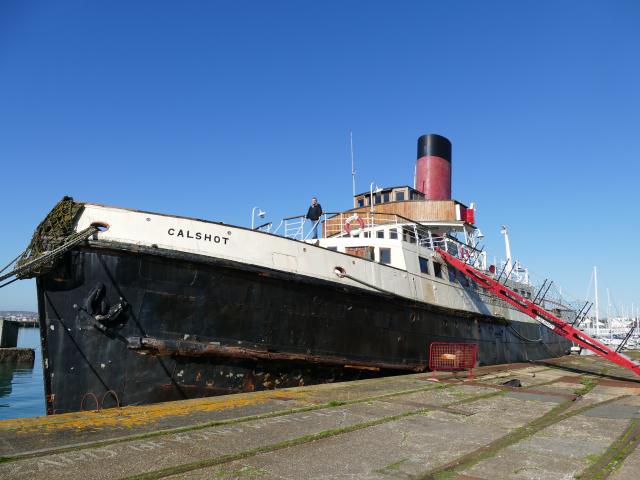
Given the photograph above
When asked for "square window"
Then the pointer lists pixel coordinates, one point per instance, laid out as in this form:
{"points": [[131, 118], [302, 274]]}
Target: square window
{"points": [[361, 202], [399, 196], [424, 265], [437, 269], [366, 234], [369, 253], [452, 274], [385, 256], [380, 234], [393, 233], [408, 235], [385, 197]]}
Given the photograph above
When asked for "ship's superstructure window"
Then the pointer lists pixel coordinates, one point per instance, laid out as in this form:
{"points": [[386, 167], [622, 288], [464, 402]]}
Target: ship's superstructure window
{"points": [[380, 234], [393, 233], [452, 275], [333, 249], [408, 235], [385, 255], [387, 195], [437, 269], [366, 234], [424, 265]]}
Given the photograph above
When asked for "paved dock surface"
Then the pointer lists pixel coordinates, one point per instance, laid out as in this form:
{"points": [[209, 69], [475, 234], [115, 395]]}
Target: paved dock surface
{"points": [[577, 417]]}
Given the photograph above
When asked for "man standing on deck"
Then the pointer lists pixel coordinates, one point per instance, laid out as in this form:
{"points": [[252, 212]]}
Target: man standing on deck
{"points": [[314, 213]]}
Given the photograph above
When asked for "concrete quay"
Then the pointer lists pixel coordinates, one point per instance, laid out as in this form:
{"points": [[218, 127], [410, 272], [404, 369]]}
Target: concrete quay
{"points": [[575, 417]]}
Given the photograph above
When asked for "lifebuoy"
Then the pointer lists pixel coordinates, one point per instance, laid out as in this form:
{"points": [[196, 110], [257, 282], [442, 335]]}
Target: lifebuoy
{"points": [[347, 223]]}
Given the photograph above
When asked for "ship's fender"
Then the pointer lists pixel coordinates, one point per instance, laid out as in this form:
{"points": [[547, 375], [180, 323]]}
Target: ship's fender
{"points": [[352, 218]]}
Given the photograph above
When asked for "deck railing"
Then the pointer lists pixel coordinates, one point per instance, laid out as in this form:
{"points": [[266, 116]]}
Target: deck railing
{"points": [[335, 225]]}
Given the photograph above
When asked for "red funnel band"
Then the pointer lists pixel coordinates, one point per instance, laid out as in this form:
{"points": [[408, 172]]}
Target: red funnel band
{"points": [[433, 167], [433, 178]]}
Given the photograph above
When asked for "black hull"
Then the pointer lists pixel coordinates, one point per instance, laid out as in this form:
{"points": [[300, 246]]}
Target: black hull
{"points": [[297, 323]]}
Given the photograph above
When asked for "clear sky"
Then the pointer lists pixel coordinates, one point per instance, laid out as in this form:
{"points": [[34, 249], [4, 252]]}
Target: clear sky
{"points": [[209, 108]]}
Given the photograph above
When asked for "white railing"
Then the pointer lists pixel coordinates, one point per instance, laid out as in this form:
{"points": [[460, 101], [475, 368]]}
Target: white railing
{"points": [[334, 225], [294, 227]]}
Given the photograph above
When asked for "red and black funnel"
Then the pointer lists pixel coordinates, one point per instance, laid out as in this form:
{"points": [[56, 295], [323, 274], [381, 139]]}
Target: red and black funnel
{"points": [[433, 167]]}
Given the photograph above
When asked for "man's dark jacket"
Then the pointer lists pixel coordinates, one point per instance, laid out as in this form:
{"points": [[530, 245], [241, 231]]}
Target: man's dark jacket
{"points": [[314, 212]]}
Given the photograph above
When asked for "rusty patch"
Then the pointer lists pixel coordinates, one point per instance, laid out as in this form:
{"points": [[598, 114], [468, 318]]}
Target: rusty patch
{"points": [[610, 382], [193, 348]]}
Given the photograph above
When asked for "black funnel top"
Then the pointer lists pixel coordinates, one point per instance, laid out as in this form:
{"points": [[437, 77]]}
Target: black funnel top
{"points": [[434, 145]]}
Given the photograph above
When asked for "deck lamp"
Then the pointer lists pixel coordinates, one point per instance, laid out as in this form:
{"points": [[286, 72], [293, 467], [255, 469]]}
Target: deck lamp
{"points": [[261, 214]]}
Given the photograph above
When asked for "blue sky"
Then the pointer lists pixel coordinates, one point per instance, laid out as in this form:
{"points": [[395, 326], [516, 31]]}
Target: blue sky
{"points": [[211, 108]]}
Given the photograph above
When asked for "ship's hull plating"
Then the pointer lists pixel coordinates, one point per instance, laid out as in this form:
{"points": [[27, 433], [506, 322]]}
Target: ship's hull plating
{"points": [[91, 357]]}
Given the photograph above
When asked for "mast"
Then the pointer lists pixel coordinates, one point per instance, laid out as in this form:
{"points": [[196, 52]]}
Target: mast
{"points": [[609, 311], [595, 283], [507, 248]]}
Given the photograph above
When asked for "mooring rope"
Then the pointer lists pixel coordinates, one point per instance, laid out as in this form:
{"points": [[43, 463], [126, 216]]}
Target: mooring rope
{"points": [[522, 337], [30, 265]]}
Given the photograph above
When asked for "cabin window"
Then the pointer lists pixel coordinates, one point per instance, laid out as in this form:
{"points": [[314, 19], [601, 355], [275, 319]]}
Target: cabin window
{"points": [[437, 269], [366, 234], [408, 235], [385, 197], [378, 198], [380, 234], [385, 256], [361, 202], [452, 275], [333, 249], [424, 265], [393, 233], [399, 196]]}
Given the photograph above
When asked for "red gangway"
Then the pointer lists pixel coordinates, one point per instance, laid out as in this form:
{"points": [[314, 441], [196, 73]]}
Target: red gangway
{"points": [[540, 314]]}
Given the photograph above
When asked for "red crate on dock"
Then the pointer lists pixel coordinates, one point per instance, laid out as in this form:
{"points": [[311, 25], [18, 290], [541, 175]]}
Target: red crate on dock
{"points": [[452, 356]]}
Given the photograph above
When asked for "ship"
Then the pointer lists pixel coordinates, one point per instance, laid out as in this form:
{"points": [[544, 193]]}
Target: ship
{"points": [[150, 307]]}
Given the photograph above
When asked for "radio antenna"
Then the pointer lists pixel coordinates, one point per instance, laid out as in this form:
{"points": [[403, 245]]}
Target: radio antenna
{"points": [[353, 166]]}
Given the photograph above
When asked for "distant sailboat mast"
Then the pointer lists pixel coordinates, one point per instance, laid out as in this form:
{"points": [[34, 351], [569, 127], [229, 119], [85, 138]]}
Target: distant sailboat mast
{"points": [[595, 284]]}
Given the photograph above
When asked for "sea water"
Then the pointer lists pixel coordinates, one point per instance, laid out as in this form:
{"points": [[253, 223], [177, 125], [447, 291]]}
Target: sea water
{"points": [[22, 386]]}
